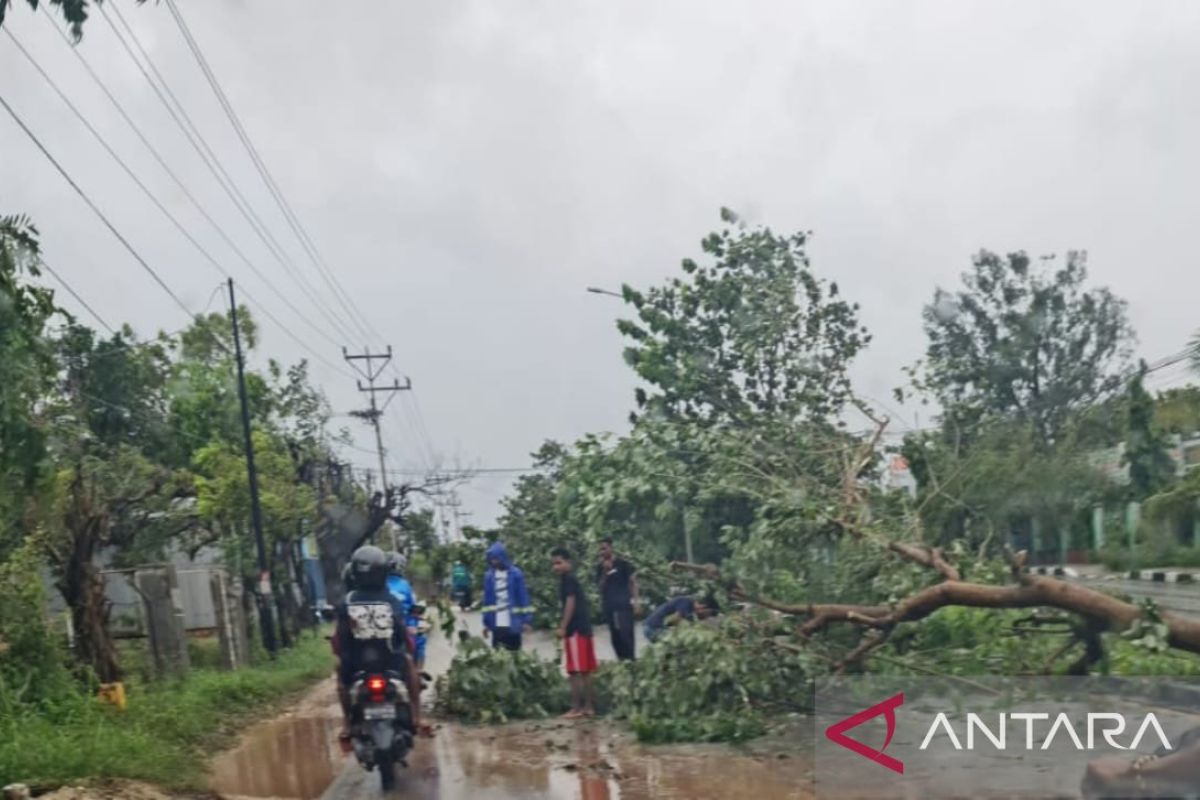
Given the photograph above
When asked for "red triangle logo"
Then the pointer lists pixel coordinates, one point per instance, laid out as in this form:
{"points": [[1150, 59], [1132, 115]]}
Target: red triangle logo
{"points": [[836, 732]]}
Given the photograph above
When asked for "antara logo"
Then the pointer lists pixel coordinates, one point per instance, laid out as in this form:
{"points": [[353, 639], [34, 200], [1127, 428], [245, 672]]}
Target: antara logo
{"points": [[836, 733], [1110, 726]]}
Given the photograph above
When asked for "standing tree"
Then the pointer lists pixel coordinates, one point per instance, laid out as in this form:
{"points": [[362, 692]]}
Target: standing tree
{"points": [[1025, 343], [755, 332], [1150, 468], [101, 500], [26, 372]]}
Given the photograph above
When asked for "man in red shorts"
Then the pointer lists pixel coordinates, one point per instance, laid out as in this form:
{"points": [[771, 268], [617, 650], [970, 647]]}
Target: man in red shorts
{"points": [[575, 630]]}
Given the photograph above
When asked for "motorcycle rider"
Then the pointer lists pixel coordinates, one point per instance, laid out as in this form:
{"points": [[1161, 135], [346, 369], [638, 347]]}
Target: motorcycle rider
{"points": [[368, 637], [401, 589], [461, 584]]}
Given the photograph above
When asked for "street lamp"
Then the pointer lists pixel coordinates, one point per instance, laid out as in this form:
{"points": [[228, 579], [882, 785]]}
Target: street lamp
{"points": [[687, 533]]}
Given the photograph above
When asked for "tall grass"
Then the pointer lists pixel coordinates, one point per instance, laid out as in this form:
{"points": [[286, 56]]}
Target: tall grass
{"points": [[165, 735]]}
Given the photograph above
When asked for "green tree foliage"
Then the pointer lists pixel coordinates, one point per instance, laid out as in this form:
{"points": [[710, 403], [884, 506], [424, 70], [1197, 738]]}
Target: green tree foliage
{"points": [[754, 332], [708, 684], [991, 494], [1177, 411], [102, 499], [223, 496], [487, 685], [1024, 342], [75, 12], [119, 387], [1150, 468], [26, 372], [33, 670]]}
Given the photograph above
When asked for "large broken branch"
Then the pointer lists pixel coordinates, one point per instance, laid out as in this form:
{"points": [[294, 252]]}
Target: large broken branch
{"points": [[1103, 612]]}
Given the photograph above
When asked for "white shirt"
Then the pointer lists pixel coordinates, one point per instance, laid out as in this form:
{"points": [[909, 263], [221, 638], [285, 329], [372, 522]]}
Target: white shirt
{"points": [[504, 615]]}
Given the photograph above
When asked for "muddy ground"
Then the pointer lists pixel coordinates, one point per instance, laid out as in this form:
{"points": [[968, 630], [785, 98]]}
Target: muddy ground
{"points": [[297, 757]]}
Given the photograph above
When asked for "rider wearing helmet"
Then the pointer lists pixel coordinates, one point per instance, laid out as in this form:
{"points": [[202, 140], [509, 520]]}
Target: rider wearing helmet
{"points": [[372, 630], [402, 590], [397, 584]]}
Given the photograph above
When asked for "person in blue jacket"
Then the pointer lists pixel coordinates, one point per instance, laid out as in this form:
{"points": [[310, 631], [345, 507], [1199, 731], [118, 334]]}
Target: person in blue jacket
{"points": [[402, 590], [507, 612]]}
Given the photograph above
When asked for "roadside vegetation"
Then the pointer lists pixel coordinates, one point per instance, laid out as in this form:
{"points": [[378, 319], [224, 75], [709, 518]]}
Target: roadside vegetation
{"points": [[750, 450], [166, 734]]}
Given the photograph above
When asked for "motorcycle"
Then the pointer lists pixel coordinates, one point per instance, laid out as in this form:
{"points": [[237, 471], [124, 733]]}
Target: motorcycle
{"points": [[381, 725]]}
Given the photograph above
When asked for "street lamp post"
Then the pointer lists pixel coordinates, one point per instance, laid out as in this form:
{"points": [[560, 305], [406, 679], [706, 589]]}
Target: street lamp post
{"points": [[687, 533]]}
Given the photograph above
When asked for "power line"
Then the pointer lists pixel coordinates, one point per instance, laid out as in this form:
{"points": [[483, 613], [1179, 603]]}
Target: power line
{"points": [[71, 291], [179, 225], [96, 209], [170, 172], [196, 139], [471, 471], [422, 434], [291, 334], [273, 187]]}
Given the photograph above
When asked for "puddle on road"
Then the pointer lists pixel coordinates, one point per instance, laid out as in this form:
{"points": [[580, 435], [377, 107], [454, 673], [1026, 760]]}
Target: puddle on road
{"points": [[298, 758], [294, 757], [591, 762]]}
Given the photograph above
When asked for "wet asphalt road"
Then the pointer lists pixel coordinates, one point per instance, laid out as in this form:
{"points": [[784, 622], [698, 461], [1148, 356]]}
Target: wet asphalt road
{"points": [[1182, 598]]}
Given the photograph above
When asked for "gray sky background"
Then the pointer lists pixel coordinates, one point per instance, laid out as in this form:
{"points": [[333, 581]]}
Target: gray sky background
{"points": [[468, 168]]}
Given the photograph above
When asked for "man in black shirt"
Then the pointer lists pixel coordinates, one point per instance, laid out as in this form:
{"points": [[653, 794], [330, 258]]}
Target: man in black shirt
{"points": [[619, 597], [575, 630]]}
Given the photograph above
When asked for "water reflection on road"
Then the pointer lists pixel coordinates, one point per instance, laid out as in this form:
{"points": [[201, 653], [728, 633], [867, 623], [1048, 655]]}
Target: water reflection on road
{"points": [[297, 757]]}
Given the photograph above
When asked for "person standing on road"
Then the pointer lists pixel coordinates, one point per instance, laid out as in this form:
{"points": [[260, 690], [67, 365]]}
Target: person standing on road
{"points": [[619, 598], [460, 584], [507, 612], [575, 631]]}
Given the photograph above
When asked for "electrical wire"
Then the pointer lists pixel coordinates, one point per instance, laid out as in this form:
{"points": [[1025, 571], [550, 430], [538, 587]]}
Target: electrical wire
{"points": [[71, 291], [179, 225], [170, 172], [212, 162], [95, 209], [268, 180], [424, 440]]}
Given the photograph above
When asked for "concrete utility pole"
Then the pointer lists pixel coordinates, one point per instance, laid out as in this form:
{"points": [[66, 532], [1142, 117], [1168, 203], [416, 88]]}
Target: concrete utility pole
{"points": [[266, 596], [372, 414]]}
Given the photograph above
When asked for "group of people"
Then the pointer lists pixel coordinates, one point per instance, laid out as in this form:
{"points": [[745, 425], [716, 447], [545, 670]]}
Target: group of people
{"points": [[380, 626], [508, 612]]}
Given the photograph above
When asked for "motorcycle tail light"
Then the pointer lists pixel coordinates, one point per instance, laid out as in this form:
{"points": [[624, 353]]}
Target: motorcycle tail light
{"points": [[376, 684]]}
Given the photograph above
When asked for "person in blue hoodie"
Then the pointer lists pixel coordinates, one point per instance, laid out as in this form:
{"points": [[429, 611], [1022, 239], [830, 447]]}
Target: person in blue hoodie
{"points": [[507, 612], [402, 590]]}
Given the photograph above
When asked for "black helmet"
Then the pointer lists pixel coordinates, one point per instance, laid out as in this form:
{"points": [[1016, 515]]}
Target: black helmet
{"points": [[369, 567], [396, 563]]}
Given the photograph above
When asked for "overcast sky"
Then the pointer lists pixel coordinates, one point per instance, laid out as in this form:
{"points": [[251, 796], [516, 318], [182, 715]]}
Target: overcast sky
{"points": [[467, 168]]}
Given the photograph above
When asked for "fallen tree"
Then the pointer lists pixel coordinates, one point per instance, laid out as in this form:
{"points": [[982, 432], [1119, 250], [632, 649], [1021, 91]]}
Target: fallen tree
{"points": [[1094, 612]]}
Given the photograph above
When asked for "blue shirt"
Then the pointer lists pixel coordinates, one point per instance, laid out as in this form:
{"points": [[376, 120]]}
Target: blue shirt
{"points": [[683, 606], [401, 589]]}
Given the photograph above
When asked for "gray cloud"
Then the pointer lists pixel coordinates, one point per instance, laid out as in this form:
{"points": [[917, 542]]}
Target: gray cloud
{"points": [[467, 168]]}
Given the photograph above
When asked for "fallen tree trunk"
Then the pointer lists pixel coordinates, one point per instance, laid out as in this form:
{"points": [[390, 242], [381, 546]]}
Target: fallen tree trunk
{"points": [[1104, 612]]}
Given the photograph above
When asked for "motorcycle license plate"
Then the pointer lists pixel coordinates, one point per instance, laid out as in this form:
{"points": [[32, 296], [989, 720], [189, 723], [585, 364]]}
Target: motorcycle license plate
{"points": [[379, 712]]}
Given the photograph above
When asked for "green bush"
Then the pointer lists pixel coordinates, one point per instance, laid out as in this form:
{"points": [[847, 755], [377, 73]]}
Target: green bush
{"points": [[166, 734], [705, 684], [33, 671], [486, 685]]}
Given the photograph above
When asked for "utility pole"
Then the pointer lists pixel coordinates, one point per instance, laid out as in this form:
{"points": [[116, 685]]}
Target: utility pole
{"points": [[266, 597], [454, 504], [372, 414]]}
